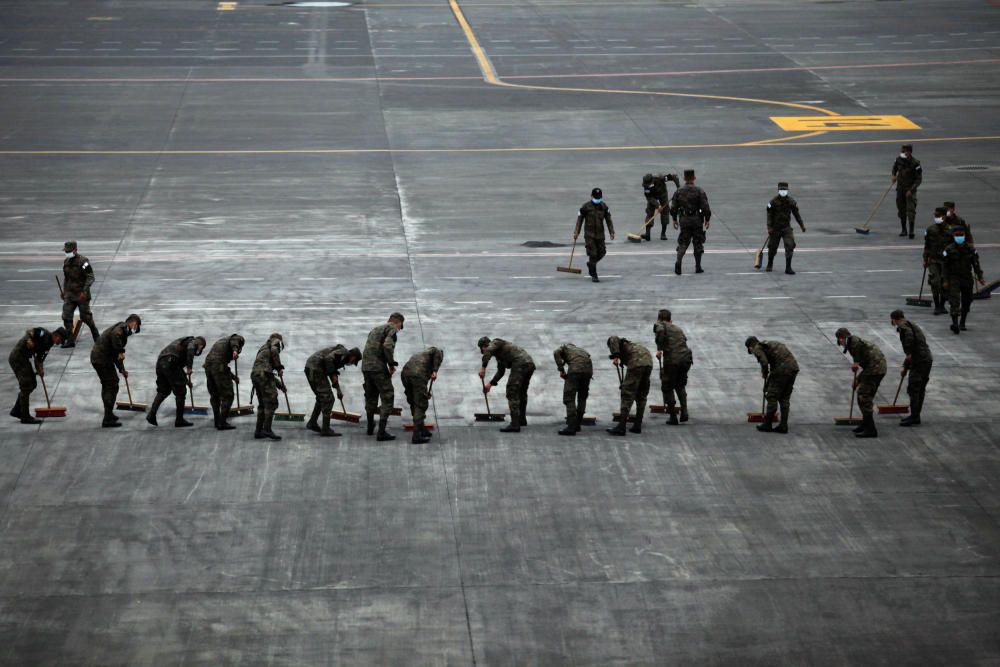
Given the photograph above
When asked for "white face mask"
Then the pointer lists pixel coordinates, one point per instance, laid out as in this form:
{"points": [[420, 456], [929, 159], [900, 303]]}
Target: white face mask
{"points": [[938, 221], [70, 254], [782, 193], [902, 155], [132, 330]]}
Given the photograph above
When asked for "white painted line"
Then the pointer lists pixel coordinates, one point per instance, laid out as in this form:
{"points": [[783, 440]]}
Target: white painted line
{"points": [[385, 278], [883, 270], [529, 277], [243, 279], [745, 273], [769, 298], [846, 296], [472, 303], [554, 301], [702, 298], [815, 272], [459, 277], [27, 280], [624, 300], [176, 280]]}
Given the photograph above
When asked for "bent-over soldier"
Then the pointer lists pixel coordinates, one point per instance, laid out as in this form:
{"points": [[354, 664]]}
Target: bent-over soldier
{"points": [[576, 369], [917, 363], [521, 366], [638, 363], [34, 345], [779, 369], [174, 367], [868, 358], [323, 374], [268, 377], [108, 359], [672, 349], [220, 380], [421, 369], [378, 366], [654, 187]]}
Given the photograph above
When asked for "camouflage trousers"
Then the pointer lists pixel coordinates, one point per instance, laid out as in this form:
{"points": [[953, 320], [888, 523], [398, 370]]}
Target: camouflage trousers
{"points": [[775, 236], [778, 392], [379, 394], [635, 389], [517, 389], [26, 382], [107, 372], [960, 296], [867, 387], [219, 382], [417, 396], [323, 388], [652, 203], [691, 232], [170, 378], [916, 386], [906, 209], [935, 278], [266, 386], [576, 390], [673, 381], [596, 250], [70, 305]]}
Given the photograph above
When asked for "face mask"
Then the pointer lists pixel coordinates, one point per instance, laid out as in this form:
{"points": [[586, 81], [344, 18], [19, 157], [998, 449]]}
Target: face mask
{"points": [[597, 201], [938, 221], [70, 254], [902, 155], [133, 330], [959, 240], [782, 193]]}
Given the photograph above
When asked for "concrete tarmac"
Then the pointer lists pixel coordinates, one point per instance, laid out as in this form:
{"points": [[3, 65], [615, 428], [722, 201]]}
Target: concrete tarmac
{"points": [[250, 167]]}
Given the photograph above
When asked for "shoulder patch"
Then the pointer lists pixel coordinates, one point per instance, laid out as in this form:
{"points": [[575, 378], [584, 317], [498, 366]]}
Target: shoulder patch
{"points": [[769, 204], [86, 264]]}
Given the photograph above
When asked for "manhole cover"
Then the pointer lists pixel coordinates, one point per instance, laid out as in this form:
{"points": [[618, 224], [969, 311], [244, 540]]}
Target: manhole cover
{"points": [[973, 167]]}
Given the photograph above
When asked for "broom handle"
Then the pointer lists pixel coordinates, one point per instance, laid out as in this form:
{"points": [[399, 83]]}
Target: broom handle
{"points": [[342, 407], [922, 278], [854, 388], [46, 390], [129, 390], [900, 387], [236, 363], [284, 391], [621, 378], [874, 210], [487, 397], [430, 386], [191, 387], [571, 253]]}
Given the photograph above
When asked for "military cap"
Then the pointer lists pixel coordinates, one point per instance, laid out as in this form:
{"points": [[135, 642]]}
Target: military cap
{"points": [[138, 321], [398, 317], [842, 332], [940, 210], [907, 148], [647, 179], [276, 335], [69, 246], [957, 229], [751, 341], [896, 315], [354, 352], [200, 339], [483, 342], [62, 333], [239, 339], [782, 185], [949, 204], [688, 174], [664, 314], [597, 193], [614, 345]]}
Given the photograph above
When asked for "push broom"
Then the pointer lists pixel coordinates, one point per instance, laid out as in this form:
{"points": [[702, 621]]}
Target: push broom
{"points": [[238, 409], [429, 425], [48, 411], [895, 408], [345, 416], [569, 268], [758, 417], [131, 405], [615, 416], [850, 419], [920, 300], [986, 290], [866, 228], [489, 416], [637, 237], [288, 416], [659, 409], [758, 257], [194, 409]]}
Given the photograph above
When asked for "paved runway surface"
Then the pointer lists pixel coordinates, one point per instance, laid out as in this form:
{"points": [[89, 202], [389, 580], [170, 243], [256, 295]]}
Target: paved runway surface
{"points": [[255, 168]]}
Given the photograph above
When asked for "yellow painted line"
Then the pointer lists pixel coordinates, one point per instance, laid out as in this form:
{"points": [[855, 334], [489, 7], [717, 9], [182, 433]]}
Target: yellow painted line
{"points": [[226, 6], [783, 139], [841, 123], [485, 66]]}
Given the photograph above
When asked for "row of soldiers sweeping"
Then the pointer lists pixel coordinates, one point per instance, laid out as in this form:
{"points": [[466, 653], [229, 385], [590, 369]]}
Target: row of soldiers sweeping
{"points": [[634, 362]]}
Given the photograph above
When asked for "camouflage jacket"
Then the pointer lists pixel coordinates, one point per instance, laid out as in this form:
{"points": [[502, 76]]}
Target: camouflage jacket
{"points": [[572, 359], [423, 363], [221, 352], [673, 343], [690, 205], [867, 355], [268, 358], [956, 221], [111, 343], [42, 340], [78, 275], [379, 349], [775, 358], [780, 211], [328, 361], [632, 355], [657, 188], [908, 172], [961, 262], [507, 355], [592, 218], [937, 237], [183, 350], [914, 342]]}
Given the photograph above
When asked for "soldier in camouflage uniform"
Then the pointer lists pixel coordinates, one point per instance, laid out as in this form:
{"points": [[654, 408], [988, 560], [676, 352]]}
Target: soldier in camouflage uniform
{"points": [[593, 216], [869, 359], [267, 376], [34, 344], [78, 276], [174, 367], [655, 189], [953, 219], [323, 374], [961, 272], [936, 239], [108, 359], [779, 226], [378, 366], [907, 174], [219, 379], [672, 349], [918, 364], [635, 387], [522, 367], [779, 369], [421, 369], [690, 205], [576, 369]]}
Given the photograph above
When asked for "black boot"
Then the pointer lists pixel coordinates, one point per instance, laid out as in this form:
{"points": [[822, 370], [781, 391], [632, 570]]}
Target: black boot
{"points": [[371, 423], [677, 267], [684, 414], [869, 428], [939, 305], [313, 423], [770, 262], [154, 408], [179, 421], [15, 411], [902, 223], [783, 424], [593, 273], [647, 236], [672, 420], [567, 430], [26, 416], [215, 415], [326, 431], [259, 431], [267, 432], [663, 232], [110, 421], [768, 425], [954, 324], [418, 434], [788, 265], [961, 322], [93, 330], [912, 420], [224, 425], [697, 263], [859, 428], [69, 342], [619, 428], [637, 424], [912, 222], [383, 434], [515, 424]]}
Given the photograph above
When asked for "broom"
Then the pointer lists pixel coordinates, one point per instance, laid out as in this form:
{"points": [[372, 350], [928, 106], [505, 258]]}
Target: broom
{"points": [[615, 416], [865, 229], [986, 290], [570, 269], [659, 409], [238, 409], [489, 416], [758, 256], [850, 419], [288, 416], [637, 237], [194, 409], [131, 405], [895, 408], [430, 425], [920, 300], [48, 411], [758, 417], [344, 415]]}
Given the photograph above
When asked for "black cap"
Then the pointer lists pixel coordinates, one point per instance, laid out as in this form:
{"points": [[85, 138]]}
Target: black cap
{"points": [[483, 342], [397, 317], [664, 314], [896, 315], [648, 178], [782, 185], [597, 193], [689, 174], [138, 321], [940, 210], [842, 332], [751, 341], [69, 246], [957, 229], [949, 204], [240, 340], [62, 333], [356, 353], [201, 339], [907, 148]]}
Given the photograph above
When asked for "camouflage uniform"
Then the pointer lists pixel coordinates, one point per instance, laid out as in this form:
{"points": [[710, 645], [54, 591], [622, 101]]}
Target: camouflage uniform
{"points": [[961, 270], [219, 379], [873, 369], [20, 362], [635, 387], [779, 368], [779, 228], [655, 189], [909, 174], [104, 359], [377, 360], [579, 369], [78, 276], [265, 381], [172, 366], [690, 205], [521, 366], [919, 363], [677, 361], [592, 219], [415, 376], [937, 237]]}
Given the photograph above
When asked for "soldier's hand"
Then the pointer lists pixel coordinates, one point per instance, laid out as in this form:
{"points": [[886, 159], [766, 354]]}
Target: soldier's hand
{"points": [[482, 372], [236, 379], [925, 263], [40, 371], [340, 394], [706, 224], [892, 179], [392, 370], [855, 367], [612, 236], [981, 281], [124, 373], [487, 387], [854, 385], [803, 227], [83, 296], [576, 236], [562, 374], [617, 361], [434, 375], [676, 226], [121, 356], [945, 285], [236, 355]]}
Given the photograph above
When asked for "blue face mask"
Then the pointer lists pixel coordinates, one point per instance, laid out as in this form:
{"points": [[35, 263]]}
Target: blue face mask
{"points": [[597, 201], [959, 240]]}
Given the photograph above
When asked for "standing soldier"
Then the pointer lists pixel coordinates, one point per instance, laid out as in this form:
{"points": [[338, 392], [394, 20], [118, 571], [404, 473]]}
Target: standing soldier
{"points": [[593, 216], [635, 387], [936, 239], [690, 203], [34, 344], [672, 349], [521, 366], [78, 276], [917, 363], [953, 219], [174, 367], [779, 369], [268, 377], [961, 263], [657, 201], [907, 174], [323, 373], [779, 226], [108, 359], [576, 369], [869, 359], [421, 369], [378, 367], [219, 380]]}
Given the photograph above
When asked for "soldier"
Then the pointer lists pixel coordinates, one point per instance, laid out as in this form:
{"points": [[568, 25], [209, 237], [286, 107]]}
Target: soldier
{"points": [[918, 363], [635, 387], [576, 369], [108, 359], [936, 238], [268, 377], [779, 369], [907, 174], [657, 201], [593, 216], [691, 204], [323, 373], [672, 349], [953, 219], [961, 262], [174, 367], [219, 380], [421, 369], [34, 344], [779, 226], [521, 366], [378, 367], [78, 276], [869, 359]]}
